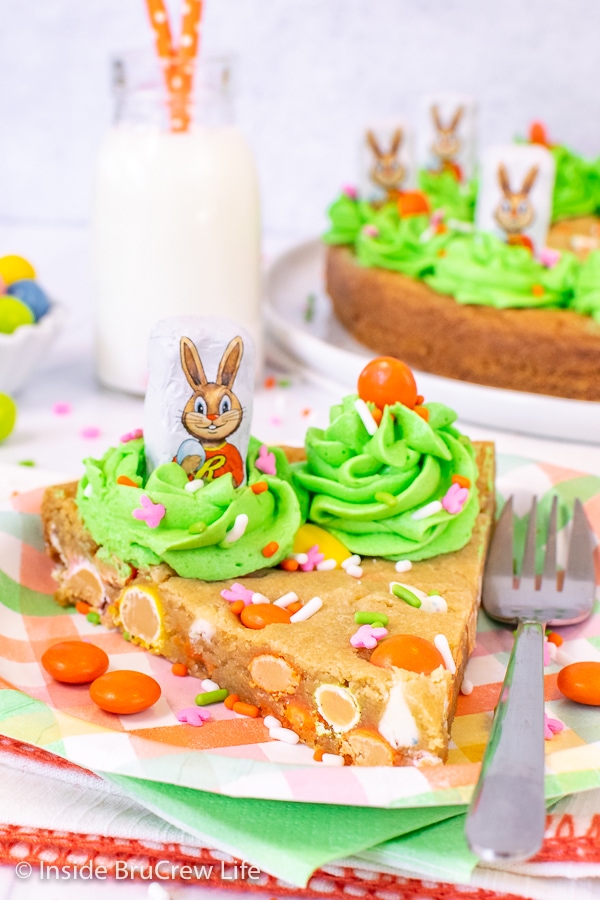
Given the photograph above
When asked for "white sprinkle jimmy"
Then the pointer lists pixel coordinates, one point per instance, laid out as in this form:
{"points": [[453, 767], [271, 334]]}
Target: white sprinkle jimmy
{"points": [[309, 609], [239, 527], [208, 685], [195, 485], [283, 734], [403, 565], [326, 565], [259, 598], [286, 599], [430, 509], [441, 642], [353, 560], [366, 416]]}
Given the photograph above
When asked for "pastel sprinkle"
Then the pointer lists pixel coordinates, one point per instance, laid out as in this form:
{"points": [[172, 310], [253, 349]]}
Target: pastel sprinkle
{"points": [[462, 480], [308, 610], [283, 734], [434, 603], [269, 383], [455, 498], [284, 383], [275, 421], [198, 528], [313, 558], [367, 636], [271, 722], [466, 687], [441, 642], [404, 593], [128, 482], [290, 565], [366, 416], [301, 558], [88, 490], [62, 409], [131, 436], [150, 513], [350, 191], [387, 499], [192, 715], [430, 509], [207, 685], [236, 592], [259, 598], [265, 461], [551, 727], [90, 432], [332, 759], [309, 310], [549, 257], [403, 565], [353, 560], [179, 669], [239, 527], [371, 231], [369, 618], [354, 571], [93, 617], [326, 565], [211, 697], [286, 600], [27, 462], [259, 487], [270, 549], [246, 709], [195, 485]]}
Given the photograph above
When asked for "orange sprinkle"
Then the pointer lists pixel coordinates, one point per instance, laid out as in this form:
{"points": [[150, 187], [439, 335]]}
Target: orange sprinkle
{"points": [[83, 608], [270, 382], [237, 606], [461, 480], [230, 701], [442, 252], [271, 549], [420, 399], [554, 638], [538, 290], [179, 669], [421, 411], [123, 479], [294, 607], [318, 754], [376, 413], [259, 487], [290, 565], [246, 709], [306, 412]]}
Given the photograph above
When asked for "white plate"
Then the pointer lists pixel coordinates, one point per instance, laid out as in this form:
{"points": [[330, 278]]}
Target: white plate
{"points": [[326, 351]]}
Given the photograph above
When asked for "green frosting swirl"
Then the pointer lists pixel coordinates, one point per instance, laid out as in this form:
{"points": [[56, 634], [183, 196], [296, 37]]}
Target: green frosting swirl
{"points": [[587, 291], [445, 192], [576, 186], [107, 511], [481, 269], [365, 489]]}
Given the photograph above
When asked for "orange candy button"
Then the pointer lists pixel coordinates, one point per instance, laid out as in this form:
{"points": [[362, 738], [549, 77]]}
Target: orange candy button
{"points": [[75, 662], [385, 381], [407, 651], [124, 692], [259, 615], [581, 682]]}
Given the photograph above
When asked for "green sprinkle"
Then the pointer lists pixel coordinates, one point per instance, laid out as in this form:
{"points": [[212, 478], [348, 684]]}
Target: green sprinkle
{"points": [[378, 624], [126, 636], [284, 382], [211, 697], [384, 497], [27, 462], [370, 618], [93, 617], [309, 312], [197, 528], [398, 590], [433, 593]]}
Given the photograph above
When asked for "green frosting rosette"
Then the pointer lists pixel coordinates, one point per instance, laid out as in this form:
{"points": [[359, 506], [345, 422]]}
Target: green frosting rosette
{"points": [[368, 490], [482, 270], [576, 186], [194, 535], [587, 292], [445, 192]]}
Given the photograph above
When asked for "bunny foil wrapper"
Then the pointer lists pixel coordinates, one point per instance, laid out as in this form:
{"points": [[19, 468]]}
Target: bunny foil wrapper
{"points": [[198, 408], [515, 194]]}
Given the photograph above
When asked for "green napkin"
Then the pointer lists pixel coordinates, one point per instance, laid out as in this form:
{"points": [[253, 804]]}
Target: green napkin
{"points": [[288, 840]]}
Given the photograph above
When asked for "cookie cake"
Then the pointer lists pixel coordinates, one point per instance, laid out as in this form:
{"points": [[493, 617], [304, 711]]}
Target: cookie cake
{"points": [[454, 284], [333, 587]]}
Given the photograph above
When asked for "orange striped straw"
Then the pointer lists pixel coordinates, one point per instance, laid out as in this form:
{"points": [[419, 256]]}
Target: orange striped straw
{"points": [[178, 63]]}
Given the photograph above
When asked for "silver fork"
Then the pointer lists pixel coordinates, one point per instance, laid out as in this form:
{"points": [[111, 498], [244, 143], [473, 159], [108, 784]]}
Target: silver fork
{"points": [[507, 816]]}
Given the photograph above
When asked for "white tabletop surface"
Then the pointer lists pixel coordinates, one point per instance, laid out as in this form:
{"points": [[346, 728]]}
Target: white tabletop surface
{"points": [[56, 443]]}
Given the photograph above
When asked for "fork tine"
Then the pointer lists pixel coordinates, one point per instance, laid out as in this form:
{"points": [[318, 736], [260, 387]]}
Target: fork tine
{"points": [[550, 558], [500, 559], [580, 564], [528, 567]]}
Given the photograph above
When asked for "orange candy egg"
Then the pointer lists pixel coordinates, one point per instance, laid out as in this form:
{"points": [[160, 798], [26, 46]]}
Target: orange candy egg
{"points": [[385, 381], [580, 682], [75, 662], [407, 651], [259, 615], [124, 692]]}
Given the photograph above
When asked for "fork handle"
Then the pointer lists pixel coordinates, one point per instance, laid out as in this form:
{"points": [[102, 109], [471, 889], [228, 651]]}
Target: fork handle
{"points": [[506, 820]]}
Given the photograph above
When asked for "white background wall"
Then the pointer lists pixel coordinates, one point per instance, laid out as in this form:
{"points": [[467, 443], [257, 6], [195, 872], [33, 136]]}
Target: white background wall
{"points": [[311, 74]]}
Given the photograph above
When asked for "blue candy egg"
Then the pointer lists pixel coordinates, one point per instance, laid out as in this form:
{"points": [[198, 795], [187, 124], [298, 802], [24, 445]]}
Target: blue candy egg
{"points": [[30, 293]]}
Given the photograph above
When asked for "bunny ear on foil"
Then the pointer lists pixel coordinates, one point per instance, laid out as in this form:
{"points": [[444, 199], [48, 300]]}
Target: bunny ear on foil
{"points": [[170, 390]]}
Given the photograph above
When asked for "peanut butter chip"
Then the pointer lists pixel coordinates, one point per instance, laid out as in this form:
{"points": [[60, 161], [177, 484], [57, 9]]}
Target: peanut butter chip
{"points": [[337, 706], [85, 585], [274, 674]]}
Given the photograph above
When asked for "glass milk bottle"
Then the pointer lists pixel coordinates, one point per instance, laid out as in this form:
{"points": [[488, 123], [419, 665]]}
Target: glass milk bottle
{"points": [[176, 225]]}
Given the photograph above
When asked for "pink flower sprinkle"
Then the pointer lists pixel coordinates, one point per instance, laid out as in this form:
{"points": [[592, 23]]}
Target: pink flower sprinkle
{"points": [[237, 592], [265, 461], [551, 727], [549, 257], [367, 636], [437, 217], [193, 715], [90, 432], [131, 435], [62, 409], [314, 558], [350, 191], [371, 231], [150, 513], [275, 420], [455, 499]]}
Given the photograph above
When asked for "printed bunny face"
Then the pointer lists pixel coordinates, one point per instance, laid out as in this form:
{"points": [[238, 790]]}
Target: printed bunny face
{"points": [[515, 211], [446, 144], [387, 171], [447, 134], [213, 412]]}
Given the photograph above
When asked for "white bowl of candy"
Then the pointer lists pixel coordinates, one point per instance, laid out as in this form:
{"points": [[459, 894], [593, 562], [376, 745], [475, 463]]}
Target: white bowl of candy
{"points": [[29, 322]]}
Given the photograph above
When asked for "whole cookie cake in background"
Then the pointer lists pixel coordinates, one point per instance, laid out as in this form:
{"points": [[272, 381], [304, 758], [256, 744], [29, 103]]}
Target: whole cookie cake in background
{"points": [[332, 589], [489, 276]]}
